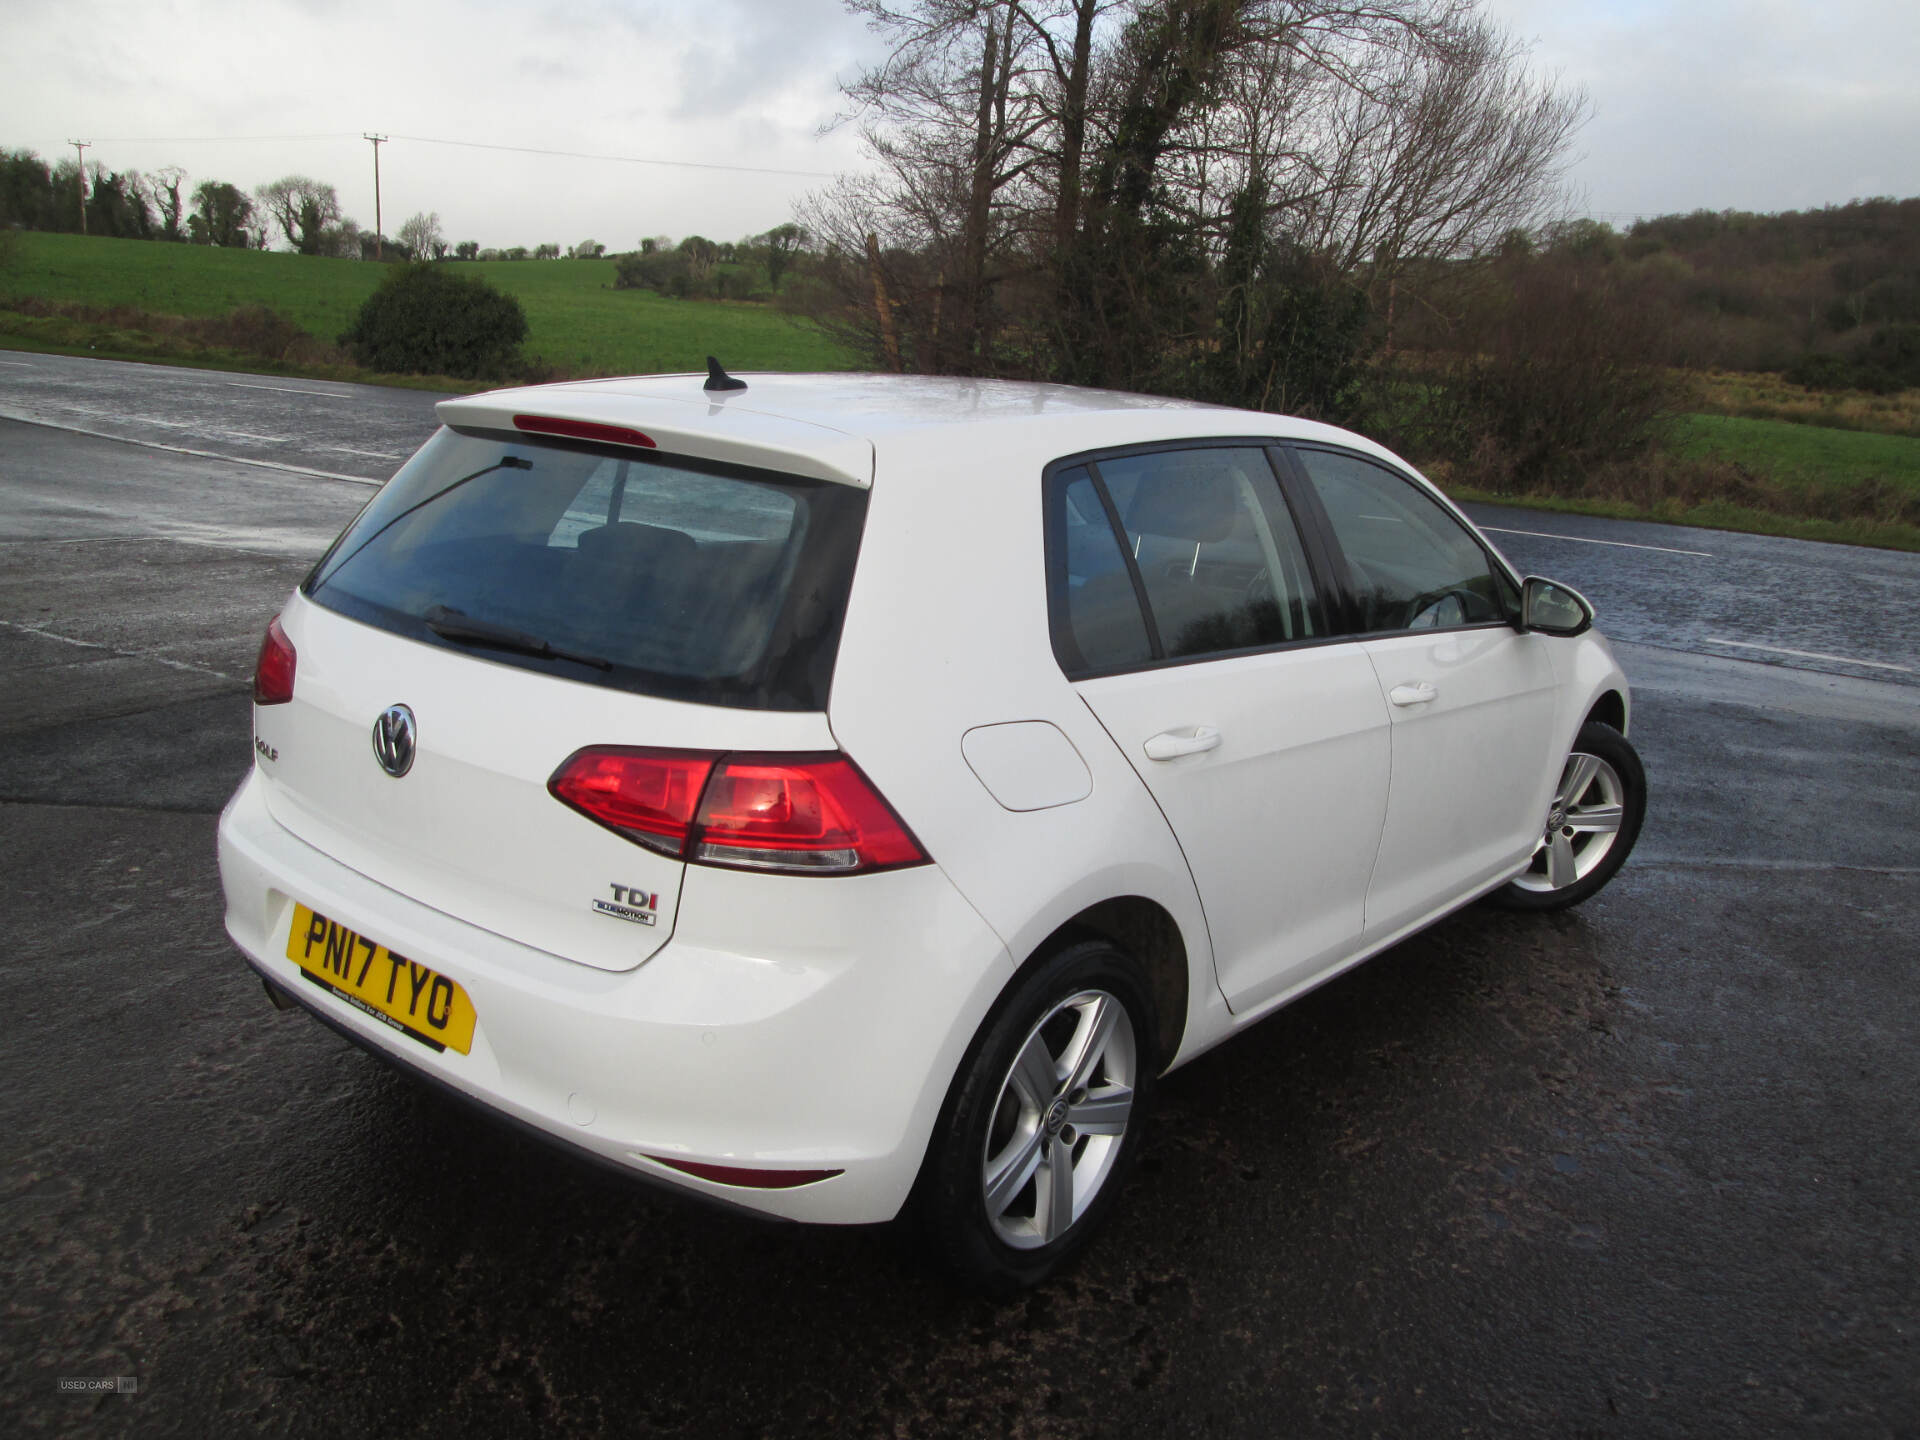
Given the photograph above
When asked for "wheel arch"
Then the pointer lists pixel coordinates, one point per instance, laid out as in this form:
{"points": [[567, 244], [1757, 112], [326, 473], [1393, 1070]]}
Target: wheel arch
{"points": [[1609, 710], [1147, 932]]}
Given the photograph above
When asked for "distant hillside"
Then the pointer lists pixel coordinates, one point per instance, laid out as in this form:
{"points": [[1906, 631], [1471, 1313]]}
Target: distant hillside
{"points": [[1756, 292]]}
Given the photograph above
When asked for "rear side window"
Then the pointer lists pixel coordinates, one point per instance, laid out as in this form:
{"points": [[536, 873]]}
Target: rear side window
{"points": [[1102, 608], [664, 576], [1203, 534]]}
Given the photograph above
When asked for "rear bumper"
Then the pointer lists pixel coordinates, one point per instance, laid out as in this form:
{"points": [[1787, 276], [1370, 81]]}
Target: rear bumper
{"points": [[789, 1023]]}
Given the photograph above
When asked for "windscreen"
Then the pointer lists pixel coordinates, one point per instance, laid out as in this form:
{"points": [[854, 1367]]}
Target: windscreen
{"points": [[665, 576]]}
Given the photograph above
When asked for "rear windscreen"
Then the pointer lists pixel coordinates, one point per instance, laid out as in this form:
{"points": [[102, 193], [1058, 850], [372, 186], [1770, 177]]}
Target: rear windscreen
{"points": [[669, 577]]}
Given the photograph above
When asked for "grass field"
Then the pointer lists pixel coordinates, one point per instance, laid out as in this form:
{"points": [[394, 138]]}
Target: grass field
{"points": [[1712, 515], [578, 323], [1768, 477], [1768, 397], [582, 325], [1801, 455]]}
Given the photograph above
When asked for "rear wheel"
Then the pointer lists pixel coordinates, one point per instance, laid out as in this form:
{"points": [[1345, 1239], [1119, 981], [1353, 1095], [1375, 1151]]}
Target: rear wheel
{"points": [[1043, 1121], [1591, 824]]}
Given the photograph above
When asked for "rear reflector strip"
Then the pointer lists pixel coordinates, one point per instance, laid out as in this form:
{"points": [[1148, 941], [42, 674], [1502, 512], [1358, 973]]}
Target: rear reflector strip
{"points": [[583, 430], [745, 1178]]}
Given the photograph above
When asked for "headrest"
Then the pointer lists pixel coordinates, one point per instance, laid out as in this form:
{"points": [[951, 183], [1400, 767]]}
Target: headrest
{"points": [[1190, 503], [628, 544]]}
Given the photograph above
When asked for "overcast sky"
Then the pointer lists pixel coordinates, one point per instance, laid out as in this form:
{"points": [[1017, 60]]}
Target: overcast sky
{"points": [[1748, 104]]}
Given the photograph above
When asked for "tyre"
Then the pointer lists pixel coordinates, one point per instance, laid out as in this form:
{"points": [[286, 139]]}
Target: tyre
{"points": [[1591, 824], [1043, 1121]]}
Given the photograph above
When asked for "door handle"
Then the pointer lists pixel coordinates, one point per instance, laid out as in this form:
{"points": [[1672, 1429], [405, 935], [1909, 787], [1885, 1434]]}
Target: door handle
{"points": [[1416, 694], [1172, 744]]}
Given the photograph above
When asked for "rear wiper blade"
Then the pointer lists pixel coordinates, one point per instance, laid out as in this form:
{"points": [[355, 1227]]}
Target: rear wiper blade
{"points": [[451, 624]]}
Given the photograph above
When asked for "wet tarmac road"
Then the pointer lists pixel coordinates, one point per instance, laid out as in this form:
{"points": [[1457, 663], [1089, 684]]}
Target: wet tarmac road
{"points": [[1647, 1169]]}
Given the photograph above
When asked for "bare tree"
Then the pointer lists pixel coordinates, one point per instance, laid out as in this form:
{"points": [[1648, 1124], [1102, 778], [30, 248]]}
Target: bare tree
{"points": [[303, 209], [777, 249], [1059, 180], [166, 182], [420, 235], [702, 257], [1405, 154]]}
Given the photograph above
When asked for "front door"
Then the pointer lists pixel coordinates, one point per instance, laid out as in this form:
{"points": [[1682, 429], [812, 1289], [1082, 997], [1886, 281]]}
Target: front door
{"points": [[1472, 700]]}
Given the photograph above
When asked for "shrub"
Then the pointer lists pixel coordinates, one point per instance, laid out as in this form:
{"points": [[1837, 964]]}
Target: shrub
{"points": [[1887, 362], [1893, 352], [1819, 370], [1549, 384], [638, 270], [426, 320]]}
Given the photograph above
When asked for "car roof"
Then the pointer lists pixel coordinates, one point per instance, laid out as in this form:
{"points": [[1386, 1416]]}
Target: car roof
{"points": [[828, 424]]}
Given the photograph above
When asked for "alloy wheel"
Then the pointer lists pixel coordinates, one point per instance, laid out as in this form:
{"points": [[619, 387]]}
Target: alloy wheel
{"points": [[1583, 822], [1060, 1119]]}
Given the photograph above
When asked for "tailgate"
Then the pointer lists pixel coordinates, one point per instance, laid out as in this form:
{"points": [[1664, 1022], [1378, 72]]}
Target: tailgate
{"points": [[470, 828]]}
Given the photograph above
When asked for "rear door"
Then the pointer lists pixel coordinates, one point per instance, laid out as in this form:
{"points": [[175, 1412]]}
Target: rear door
{"points": [[1471, 699], [1187, 612]]}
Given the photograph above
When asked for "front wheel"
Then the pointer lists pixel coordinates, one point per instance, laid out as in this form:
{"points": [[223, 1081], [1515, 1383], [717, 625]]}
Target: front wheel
{"points": [[1591, 824], [1043, 1121]]}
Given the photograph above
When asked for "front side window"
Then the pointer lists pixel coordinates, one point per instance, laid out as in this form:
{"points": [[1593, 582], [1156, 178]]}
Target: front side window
{"points": [[662, 576], [1413, 566], [1202, 534]]}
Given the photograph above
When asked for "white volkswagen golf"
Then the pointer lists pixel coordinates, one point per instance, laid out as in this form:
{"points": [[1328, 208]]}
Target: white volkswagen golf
{"points": [[829, 793]]}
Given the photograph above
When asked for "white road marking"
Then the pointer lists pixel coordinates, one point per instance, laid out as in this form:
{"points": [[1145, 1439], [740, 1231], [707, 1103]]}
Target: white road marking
{"points": [[116, 650], [287, 390], [196, 427], [1586, 540], [17, 364], [369, 454], [1812, 655], [1811, 867], [183, 450]]}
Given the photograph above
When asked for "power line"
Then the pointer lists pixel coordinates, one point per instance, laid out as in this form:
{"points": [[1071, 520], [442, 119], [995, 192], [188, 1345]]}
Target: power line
{"points": [[474, 145], [623, 159], [212, 139]]}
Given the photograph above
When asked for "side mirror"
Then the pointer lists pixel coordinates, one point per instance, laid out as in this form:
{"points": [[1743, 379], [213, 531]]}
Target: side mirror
{"points": [[1552, 608]]}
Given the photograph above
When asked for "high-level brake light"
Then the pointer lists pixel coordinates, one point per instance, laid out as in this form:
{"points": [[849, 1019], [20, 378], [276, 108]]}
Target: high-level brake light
{"points": [[583, 430], [813, 814]]}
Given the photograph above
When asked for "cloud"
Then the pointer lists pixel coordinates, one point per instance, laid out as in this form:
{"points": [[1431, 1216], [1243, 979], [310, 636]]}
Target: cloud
{"points": [[1736, 104], [725, 82], [1754, 104]]}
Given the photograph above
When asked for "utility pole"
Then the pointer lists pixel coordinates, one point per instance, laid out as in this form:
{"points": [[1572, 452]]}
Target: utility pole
{"points": [[378, 230], [80, 148]]}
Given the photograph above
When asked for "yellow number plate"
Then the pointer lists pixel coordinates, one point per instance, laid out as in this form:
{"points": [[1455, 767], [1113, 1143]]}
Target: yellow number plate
{"points": [[391, 988]]}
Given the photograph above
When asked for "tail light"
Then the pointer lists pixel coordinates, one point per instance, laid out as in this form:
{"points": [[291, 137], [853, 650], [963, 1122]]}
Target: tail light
{"points": [[798, 814], [273, 670]]}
